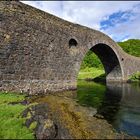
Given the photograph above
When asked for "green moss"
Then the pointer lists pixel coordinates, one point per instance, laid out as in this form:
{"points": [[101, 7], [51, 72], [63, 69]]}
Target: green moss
{"points": [[28, 115], [33, 125]]}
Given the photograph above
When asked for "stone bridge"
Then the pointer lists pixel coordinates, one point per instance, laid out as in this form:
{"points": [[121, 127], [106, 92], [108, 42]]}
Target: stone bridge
{"points": [[41, 53]]}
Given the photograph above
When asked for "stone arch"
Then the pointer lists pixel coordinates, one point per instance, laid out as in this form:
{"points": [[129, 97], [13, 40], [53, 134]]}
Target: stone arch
{"points": [[110, 59]]}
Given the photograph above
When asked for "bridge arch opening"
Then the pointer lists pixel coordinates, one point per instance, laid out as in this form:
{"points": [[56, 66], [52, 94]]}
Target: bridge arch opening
{"points": [[109, 59]]}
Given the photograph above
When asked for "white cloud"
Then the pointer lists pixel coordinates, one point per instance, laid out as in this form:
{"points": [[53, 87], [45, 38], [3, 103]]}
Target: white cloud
{"points": [[52, 7], [126, 30], [91, 13]]}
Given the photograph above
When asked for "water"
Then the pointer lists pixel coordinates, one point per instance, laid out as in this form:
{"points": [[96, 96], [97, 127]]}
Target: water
{"points": [[119, 103]]}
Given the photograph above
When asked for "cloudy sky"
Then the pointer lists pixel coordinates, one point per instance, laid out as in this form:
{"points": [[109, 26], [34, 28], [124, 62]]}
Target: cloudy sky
{"points": [[118, 19]]}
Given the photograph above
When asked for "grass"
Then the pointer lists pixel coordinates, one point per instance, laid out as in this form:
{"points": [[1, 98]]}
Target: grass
{"points": [[135, 77], [90, 73], [11, 126]]}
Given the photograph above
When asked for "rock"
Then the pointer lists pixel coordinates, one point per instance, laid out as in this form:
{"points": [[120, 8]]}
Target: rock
{"points": [[28, 122], [98, 116], [43, 124], [13, 103], [25, 112], [25, 102], [38, 121], [46, 130]]}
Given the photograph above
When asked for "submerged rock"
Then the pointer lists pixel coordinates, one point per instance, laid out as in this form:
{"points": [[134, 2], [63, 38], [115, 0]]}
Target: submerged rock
{"points": [[37, 120], [24, 102], [45, 126], [98, 116], [58, 117], [46, 130]]}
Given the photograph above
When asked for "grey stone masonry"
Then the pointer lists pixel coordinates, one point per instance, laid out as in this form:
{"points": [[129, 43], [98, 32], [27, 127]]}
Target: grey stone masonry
{"points": [[41, 53]]}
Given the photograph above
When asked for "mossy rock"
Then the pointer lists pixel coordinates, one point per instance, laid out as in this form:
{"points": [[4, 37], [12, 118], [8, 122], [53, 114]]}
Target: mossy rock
{"points": [[33, 125]]}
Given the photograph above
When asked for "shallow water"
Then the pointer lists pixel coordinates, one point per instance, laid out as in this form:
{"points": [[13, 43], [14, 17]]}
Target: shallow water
{"points": [[119, 103]]}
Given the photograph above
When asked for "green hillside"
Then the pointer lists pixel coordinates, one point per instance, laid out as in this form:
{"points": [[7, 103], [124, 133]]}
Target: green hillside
{"points": [[131, 46]]}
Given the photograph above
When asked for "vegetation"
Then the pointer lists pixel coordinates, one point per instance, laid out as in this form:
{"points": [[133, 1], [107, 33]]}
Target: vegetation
{"points": [[92, 67], [131, 46], [11, 126], [135, 77], [90, 73], [91, 60], [76, 120]]}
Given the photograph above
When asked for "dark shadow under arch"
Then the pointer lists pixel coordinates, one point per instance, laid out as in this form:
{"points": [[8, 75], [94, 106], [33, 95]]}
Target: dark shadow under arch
{"points": [[109, 60]]}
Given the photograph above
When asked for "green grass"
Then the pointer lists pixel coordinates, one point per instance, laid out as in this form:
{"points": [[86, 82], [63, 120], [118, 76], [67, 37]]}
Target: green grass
{"points": [[10, 97], [90, 73], [135, 77], [12, 125]]}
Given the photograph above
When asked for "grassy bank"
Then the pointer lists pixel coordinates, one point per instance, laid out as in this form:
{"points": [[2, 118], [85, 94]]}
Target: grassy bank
{"points": [[11, 126], [90, 73], [135, 77]]}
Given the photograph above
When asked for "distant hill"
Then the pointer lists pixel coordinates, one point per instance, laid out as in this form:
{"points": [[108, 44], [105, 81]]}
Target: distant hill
{"points": [[131, 46]]}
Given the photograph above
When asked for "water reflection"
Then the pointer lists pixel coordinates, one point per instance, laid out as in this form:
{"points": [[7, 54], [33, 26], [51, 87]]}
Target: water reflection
{"points": [[119, 103], [127, 118]]}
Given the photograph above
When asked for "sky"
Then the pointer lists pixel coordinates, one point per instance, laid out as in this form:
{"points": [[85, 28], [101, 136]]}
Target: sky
{"points": [[118, 19]]}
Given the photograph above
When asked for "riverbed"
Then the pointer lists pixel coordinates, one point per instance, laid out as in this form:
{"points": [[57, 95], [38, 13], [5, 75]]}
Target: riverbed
{"points": [[95, 110], [119, 103]]}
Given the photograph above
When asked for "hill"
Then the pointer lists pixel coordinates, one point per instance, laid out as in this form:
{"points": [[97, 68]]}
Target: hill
{"points": [[131, 46]]}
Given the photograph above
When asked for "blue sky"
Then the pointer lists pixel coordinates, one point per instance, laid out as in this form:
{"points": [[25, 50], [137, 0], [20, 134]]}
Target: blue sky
{"points": [[118, 19]]}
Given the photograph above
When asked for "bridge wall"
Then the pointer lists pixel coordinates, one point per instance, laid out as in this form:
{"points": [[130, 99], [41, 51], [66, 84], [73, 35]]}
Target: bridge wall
{"points": [[40, 53]]}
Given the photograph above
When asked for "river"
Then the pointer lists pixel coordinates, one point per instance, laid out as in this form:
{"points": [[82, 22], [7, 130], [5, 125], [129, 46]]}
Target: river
{"points": [[118, 103]]}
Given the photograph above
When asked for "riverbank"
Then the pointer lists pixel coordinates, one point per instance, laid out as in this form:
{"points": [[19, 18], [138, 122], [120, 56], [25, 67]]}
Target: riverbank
{"points": [[90, 73], [70, 120], [135, 77], [98, 75], [77, 120]]}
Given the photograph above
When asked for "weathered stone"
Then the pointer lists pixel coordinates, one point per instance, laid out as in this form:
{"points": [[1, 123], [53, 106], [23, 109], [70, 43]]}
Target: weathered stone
{"points": [[40, 120], [41, 53], [28, 122], [46, 130]]}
